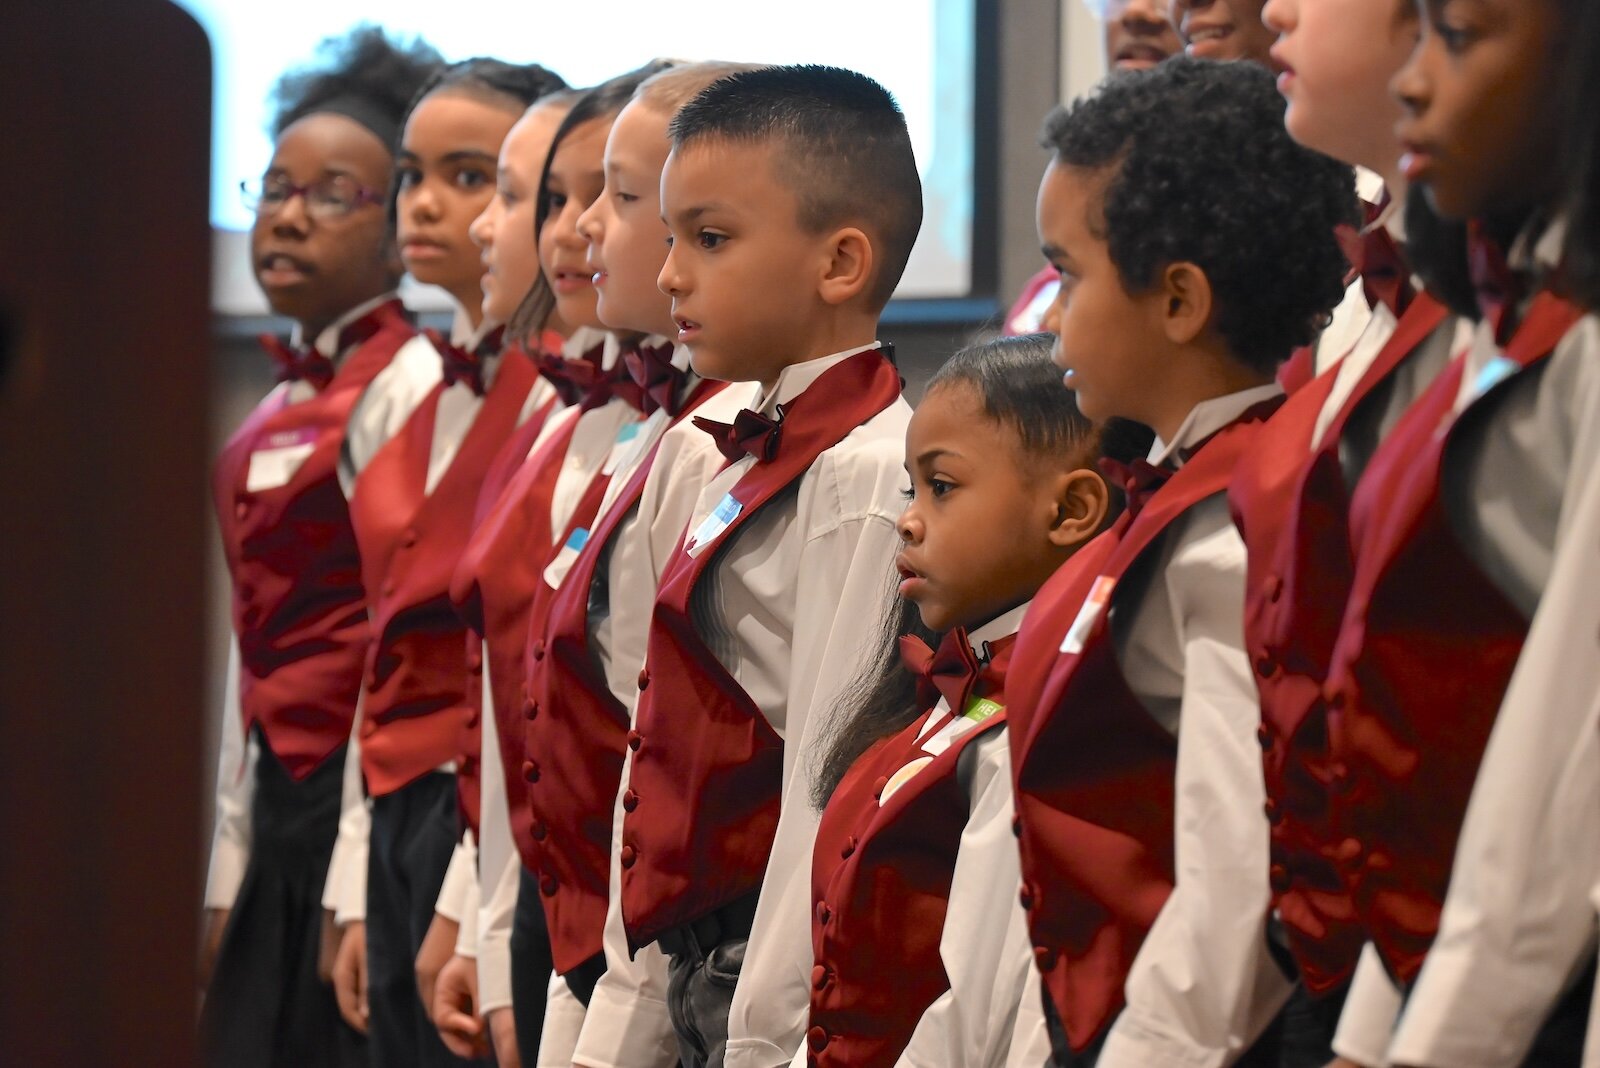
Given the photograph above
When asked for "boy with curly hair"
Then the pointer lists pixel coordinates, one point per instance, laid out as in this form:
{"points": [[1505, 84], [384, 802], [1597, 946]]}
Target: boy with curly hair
{"points": [[1195, 242]]}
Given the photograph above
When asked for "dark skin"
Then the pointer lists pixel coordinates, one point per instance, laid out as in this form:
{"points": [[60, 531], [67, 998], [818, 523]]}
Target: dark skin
{"points": [[1138, 35], [1225, 30], [314, 270]]}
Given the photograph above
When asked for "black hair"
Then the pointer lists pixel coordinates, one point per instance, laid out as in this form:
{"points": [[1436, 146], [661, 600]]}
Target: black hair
{"points": [[1020, 387], [1201, 170], [364, 72], [841, 145], [1436, 249], [514, 86], [1582, 136], [603, 101]]}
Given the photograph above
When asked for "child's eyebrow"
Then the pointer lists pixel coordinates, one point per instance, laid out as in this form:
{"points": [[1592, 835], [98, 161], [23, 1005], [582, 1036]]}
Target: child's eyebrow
{"points": [[1053, 253], [470, 155], [936, 453], [689, 215]]}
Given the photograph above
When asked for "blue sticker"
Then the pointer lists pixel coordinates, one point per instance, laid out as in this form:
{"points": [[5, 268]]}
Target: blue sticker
{"points": [[1494, 372], [577, 540]]}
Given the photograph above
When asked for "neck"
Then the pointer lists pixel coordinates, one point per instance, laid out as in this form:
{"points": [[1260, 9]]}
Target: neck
{"points": [[470, 307], [1200, 376], [857, 334]]}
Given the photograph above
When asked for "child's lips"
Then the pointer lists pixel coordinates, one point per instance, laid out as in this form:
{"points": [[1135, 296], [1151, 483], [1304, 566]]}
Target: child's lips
{"points": [[687, 328], [420, 249], [566, 282], [277, 269]]}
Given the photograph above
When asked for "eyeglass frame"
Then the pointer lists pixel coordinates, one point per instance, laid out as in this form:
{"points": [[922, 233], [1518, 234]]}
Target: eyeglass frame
{"points": [[363, 195]]}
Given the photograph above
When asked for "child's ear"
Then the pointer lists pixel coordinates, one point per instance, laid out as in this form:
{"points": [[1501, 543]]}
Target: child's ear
{"points": [[1186, 292], [1082, 501], [849, 266]]}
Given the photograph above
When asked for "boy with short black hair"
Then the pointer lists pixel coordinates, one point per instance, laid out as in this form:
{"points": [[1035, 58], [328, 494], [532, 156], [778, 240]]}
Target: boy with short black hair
{"points": [[793, 200], [1197, 250]]}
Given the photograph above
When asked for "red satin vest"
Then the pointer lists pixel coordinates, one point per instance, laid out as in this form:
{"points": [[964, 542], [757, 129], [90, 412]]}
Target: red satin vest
{"points": [[1291, 506], [1423, 658], [299, 609], [1095, 773], [880, 879], [575, 733], [418, 673], [707, 767]]}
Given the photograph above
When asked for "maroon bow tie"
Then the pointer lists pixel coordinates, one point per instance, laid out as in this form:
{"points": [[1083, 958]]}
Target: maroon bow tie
{"points": [[1374, 256], [303, 364], [571, 378], [1497, 287], [951, 672], [465, 365], [1138, 480], [750, 434], [616, 383], [660, 383]]}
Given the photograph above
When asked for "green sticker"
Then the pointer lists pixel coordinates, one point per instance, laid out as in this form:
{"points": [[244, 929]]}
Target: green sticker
{"points": [[980, 709]]}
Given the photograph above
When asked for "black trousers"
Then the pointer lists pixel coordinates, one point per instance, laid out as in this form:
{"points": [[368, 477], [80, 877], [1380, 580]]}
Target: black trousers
{"points": [[532, 966], [704, 959], [1559, 1043], [266, 1007], [414, 831]]}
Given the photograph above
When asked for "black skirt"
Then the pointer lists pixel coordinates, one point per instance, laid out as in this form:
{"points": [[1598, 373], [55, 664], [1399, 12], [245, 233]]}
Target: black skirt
{"points": [[266, 1007]]}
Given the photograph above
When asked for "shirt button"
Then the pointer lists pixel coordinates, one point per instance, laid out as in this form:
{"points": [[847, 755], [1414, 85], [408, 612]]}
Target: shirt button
{"points": [[848, 848], [547, 886], [817, 1039], [630, 801], [540, 831], [824, 913], [530, 771], [1045, 957], [819, 977], [635, 739], [644, 678], [538, 649], [878, 786], [628, 855], [1278, 876]]}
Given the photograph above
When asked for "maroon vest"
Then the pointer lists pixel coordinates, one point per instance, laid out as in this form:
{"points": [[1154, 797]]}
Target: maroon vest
{"points": [[418, 674], [1094, 772], [1423, 659], [575, 733], [299, 608], [707, 767], [1291, 506], [880, 878]]}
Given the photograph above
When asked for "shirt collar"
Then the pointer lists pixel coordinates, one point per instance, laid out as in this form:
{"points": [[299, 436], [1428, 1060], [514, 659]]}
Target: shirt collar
{"points": [[327, 341], [581, 341], [1206, 418], [799, 377], [1001, 626]]}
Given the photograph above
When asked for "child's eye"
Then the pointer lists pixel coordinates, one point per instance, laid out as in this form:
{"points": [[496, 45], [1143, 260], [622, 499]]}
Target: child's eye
{"points": [[556, 201], [939, 487], [471, 179], [709, 240], [626, 198], [909, 493], [406, 177]]}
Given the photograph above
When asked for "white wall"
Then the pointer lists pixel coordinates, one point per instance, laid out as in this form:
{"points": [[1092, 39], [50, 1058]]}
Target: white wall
{"points": [[1082, 49]]}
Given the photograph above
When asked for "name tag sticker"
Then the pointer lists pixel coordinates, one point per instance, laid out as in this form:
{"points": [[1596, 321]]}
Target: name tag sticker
{"points": [[623, 447], [712, 526], [901, 777], [556, 573], [979, 709], [1093, 607], [1493, 373], [275, 465]]}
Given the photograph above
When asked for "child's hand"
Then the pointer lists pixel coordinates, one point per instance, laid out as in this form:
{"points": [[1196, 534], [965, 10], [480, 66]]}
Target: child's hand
{"points": [[350, 976], [211, 943], [503, 1029], [455, 1009], [438, 946], [328, 947]]}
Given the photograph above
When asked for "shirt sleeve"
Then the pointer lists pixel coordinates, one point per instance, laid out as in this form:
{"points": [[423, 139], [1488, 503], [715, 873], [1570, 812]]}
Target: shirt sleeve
{"points": [[1529, 852], [1030, 1039], [499, 868], [843, 577], [467, 926], [385, 405], [236, 782], [1370, 1008], [985, 947], [345, 892], [1204, 985], [460, 877]]}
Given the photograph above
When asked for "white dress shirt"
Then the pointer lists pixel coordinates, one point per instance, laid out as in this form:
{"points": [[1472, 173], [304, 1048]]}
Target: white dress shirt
{"points": [[378, 414], [1204, 985]]}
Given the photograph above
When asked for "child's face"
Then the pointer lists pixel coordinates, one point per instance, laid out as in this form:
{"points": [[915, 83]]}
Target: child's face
{"points": [[742, 272], [446, 175], [1138, 34], [314, 270], [627, 239], [1224, 29], [504, 231], [1479, 132], [1109, 343], [976, 533], [1338, 58], [577, 176]]}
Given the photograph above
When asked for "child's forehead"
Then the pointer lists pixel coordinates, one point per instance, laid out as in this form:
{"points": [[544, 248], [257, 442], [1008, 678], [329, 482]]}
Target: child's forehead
{"points": [[331, 143], [739, 172]]}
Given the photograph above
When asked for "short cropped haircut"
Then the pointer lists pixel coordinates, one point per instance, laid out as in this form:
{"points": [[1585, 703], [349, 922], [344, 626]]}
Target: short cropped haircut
{"points": [[670, 90], [839, 141], [374, 75], [1200, 170]]}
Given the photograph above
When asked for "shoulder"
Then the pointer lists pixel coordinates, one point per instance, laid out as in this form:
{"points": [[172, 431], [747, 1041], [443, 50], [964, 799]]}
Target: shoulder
{"points": [[863, 475], [1204, 559]]}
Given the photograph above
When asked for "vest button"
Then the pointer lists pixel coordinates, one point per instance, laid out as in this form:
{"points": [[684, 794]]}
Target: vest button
{"points": [[630, 801], [1016, 826], [388, 588], [241, 510], [1264, 736], [531, 710], [628, 855], [1025, 897], [878, 786], [1350, 851], [812, 1060], [547, 886], [1339, 780], [408, 539], [635, 739], [1274, 588], [475, 662], [247, 593], [1274, 813], [1266, 665], [824, 913], [644, 678], [540, 831], [1278, 876], [819, 977], [530, 771], [538, 649], [848, 848], [817, 1039], [473, 720], [466, 765], [1045, 957], [252, 616], [1334, 698]]}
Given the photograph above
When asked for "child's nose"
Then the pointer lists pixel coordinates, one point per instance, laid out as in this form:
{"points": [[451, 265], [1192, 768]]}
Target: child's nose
{"points": [[909, 525], [670, 280]]}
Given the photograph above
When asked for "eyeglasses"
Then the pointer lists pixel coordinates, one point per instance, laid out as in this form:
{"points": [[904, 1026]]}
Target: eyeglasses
{"points": [[1109, 10], [326, 198]]}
